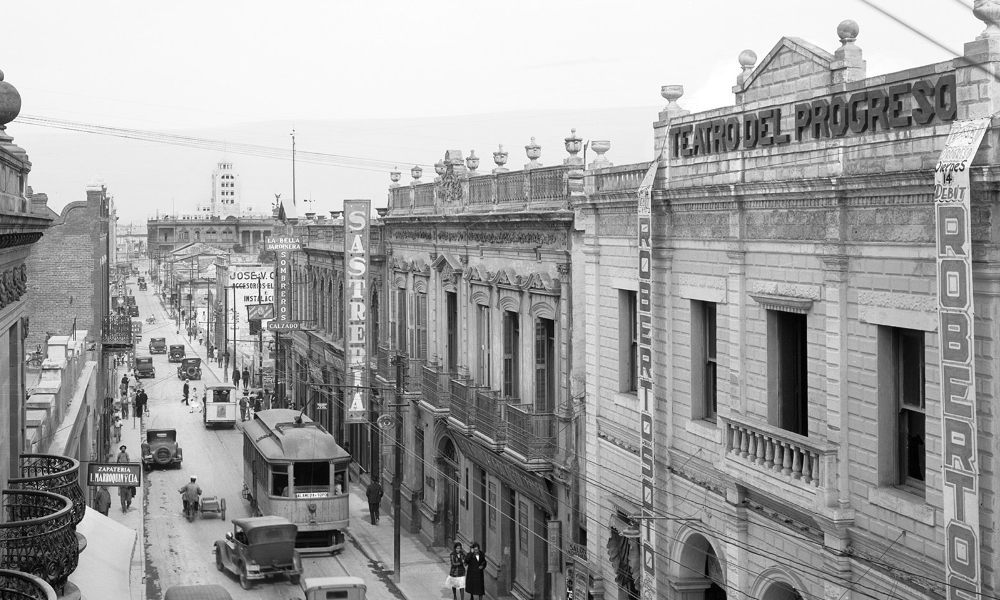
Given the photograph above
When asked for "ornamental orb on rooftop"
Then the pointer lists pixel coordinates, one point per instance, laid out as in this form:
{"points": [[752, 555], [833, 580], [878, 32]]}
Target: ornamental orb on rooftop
{"points": [[10, 102]]}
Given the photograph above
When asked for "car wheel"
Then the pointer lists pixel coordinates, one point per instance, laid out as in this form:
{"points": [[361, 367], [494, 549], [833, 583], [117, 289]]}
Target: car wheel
{"points": [[294, 579], [244, 582], [218, 560]]}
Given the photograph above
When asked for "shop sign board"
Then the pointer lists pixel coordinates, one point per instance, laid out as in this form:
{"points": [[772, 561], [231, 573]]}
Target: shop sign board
{"points": [[114, 474], [356, 261], [960, 460]]}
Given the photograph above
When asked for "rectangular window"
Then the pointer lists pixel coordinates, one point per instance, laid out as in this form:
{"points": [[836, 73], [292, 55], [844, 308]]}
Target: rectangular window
{"points": [[452, 324], [279, 480], [511, 358], [787, 371], [522, 521], [628, 342], [492, 508], [483, 342], [902, 416], [545, 365], [704, 396], [420, 327], [401, 320]]}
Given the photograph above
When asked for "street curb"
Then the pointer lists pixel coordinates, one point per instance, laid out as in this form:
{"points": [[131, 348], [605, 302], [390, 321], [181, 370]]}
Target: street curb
{"points": [[370, 555]]}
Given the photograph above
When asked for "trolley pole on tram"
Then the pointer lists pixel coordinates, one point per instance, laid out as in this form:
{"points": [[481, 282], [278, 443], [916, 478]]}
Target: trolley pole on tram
{"points": [[397, 476]]}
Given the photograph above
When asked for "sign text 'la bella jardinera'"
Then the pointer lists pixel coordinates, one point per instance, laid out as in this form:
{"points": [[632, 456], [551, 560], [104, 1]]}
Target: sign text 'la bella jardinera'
{"points": [[282, 246]]}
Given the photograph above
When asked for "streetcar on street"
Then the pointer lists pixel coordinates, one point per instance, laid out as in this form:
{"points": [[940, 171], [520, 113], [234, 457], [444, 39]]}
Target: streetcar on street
{"points": [[293, 468]]}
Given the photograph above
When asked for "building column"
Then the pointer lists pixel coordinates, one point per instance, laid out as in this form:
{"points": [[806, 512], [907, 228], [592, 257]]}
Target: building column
{"points": [[835, 357], [735, 332]]}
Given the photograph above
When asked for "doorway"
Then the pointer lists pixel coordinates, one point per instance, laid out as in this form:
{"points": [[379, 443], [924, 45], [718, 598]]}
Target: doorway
{"points": [[449, 473]]}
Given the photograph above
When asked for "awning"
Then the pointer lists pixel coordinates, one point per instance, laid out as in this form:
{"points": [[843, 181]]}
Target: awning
{"points": [[104, 570]]}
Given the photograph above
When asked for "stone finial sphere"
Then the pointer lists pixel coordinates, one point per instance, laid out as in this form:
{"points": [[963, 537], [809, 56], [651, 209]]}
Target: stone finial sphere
{"points": [[848, 31], [10, 102], [748, 58]]}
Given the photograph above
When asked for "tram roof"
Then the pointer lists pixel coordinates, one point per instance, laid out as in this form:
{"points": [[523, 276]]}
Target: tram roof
{"points": [[278, 438]]}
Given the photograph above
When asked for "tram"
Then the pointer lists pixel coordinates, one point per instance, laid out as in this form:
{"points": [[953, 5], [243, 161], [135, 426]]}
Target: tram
{"points": [[293, 468]]}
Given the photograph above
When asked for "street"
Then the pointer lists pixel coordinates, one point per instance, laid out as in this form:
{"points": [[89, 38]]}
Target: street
{"points": [[181, 553]]}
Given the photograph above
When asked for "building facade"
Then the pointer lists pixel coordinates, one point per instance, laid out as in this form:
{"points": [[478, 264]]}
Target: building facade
{"points": [[802, 381]]}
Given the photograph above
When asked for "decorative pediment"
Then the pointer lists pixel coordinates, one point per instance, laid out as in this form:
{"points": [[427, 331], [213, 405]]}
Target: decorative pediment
{"points": [[817, 60], [506, 277], [474, 274], [541, 282], [444, 260], [419, 266], [401, 264]]}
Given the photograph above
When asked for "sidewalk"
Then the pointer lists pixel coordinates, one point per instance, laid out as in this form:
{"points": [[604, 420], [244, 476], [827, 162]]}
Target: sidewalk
{"points": [[423, 570]]}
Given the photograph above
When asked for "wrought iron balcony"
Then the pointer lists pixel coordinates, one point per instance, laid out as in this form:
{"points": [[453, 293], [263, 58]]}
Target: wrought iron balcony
{"points": [[38, 536], [802, 469], [413, 382], [463, 406], [52, 473], [385, 369], [491, 429], [436, 392], [22, 586], [531, 434], [117, 331]]}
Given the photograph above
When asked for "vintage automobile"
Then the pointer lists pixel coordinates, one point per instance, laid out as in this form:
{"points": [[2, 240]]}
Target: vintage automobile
{"points": [[133, 310], [345, 588], [197, 592], [258, 548], [157, 345], [160, 448], [144, 367], [220, 408], [189, 368], [207, 504], [176, 353], [142, 286]]}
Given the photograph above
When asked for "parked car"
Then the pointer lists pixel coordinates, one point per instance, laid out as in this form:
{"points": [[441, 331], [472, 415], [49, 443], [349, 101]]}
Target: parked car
{"points": [[142, 286], [258, 548], [157, 345], [197, 592], [161, 448], [345, 588], [133, 310], [144, 367], [190, 368], [176, 353]]}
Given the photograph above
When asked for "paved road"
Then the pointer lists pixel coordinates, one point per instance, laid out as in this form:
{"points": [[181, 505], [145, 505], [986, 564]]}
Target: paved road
{"points": [[178, 552]]}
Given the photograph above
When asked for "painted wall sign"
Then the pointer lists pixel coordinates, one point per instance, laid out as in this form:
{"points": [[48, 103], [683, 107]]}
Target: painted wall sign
{"points": [[647, 403], [897, 106], [252, 285], [356, 260], [960, 461], [282, 246], [114, 474]]}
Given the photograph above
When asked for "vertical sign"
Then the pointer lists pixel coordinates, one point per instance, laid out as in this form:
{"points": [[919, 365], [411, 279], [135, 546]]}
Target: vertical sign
{"points": [[282, 246], [356, 236], [959, 464], [644, 315]]}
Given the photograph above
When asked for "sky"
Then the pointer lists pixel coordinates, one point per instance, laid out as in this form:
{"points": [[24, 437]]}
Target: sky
{"points": [[392, 83]]}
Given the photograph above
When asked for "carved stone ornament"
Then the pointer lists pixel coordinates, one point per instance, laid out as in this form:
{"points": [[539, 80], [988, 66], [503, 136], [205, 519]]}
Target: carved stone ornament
{"points": [[541, 281], [450, 187], [988, 11], [506, 277]]}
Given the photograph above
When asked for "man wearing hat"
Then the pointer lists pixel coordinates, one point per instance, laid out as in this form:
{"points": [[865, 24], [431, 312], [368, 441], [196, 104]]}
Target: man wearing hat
{"points": [[187, 390], [124, 493], [190, 492], [122, 456]]}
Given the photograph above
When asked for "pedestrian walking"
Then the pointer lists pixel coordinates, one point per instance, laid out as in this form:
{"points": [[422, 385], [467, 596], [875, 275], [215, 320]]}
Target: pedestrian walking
{"points": [[246, 377], [141, 402], [123, 388], [118, 428], [475, 581], [456, 575], [374, 493], [186, 390], [125, 405], [103, 500], [194, 397], [122, 456], [258, 403], [125, 494], [236, 377], [244, 405]]}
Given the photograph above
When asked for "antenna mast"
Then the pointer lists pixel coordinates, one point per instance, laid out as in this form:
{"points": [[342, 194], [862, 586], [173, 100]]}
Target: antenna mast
{"points": [[293, 166]]}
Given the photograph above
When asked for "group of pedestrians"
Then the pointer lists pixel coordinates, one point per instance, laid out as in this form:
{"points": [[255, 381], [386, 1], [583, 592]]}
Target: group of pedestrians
{"points": [[132, 393], [466, 572], [102, 502], [244, 377]]}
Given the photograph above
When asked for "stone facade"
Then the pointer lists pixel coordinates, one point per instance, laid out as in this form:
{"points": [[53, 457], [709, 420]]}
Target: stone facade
{"points": [[794, 275]]}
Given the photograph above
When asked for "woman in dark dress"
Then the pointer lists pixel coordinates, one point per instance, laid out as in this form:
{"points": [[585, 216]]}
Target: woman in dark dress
{"points": [[475, 578], [456, 575]]}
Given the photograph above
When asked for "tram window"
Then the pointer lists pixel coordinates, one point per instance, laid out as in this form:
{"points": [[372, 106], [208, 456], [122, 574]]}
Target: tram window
{"points": [[336, 595], [279, 479], [312, 477], [338, 482], [220, 396]]}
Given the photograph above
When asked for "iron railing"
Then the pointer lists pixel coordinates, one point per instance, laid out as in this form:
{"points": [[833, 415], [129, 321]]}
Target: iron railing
{"points": [[117, 330], [16, 585], [490, 426], [38, 536], [52, 473], [531, 434], [463, 406], [435, 387]]}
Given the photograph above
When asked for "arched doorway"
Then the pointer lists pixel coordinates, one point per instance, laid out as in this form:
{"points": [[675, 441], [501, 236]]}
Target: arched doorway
{"points": [[700, 576], [780, 590], [448, 467]]}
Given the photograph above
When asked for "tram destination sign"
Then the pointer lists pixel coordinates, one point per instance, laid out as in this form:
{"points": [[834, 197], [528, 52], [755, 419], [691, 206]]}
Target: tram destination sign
{"points": [[114, 474]]}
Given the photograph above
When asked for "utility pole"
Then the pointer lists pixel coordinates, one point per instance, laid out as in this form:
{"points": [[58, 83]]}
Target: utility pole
{"points": [[397, 476]]}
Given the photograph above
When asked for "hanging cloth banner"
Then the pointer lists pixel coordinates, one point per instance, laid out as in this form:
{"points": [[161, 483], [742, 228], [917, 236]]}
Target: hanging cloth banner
{"points": [[959, 464]]}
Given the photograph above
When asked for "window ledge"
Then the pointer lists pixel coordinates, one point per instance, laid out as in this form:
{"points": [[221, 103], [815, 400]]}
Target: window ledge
{"points": [[704, 429], [783, 303], [629, 399], [903, 503]]}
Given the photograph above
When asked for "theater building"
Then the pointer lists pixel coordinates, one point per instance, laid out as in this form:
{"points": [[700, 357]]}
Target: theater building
{"points": [[820, 390]]}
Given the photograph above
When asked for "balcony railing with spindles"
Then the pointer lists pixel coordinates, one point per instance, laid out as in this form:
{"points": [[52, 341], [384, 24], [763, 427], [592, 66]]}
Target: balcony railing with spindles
{"points": [[491, 429], [463, 406], [805, 469], [38, 536], [52, 473], [531, 434], [117, 330], [16, 585], [436, 390]]}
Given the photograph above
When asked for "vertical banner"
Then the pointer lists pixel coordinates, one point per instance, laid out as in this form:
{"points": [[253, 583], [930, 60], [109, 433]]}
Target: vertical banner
{"points": [[959, 464], [644, 363], [356, 260], [282, 246]]}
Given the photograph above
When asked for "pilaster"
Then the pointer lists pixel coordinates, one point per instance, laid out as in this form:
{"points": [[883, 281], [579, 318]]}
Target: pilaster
{"points": [[835, 269], [734, 331]]}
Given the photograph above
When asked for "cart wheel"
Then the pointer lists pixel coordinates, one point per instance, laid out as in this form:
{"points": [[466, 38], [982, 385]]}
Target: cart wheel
{"points": [[222, 505], [244, 582], [218, 560]]}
